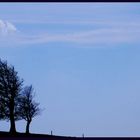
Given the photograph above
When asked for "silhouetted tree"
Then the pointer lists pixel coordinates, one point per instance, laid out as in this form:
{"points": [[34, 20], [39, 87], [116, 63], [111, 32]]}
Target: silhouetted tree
{"points": [[2, 109], [28, 107], [10, 87]]}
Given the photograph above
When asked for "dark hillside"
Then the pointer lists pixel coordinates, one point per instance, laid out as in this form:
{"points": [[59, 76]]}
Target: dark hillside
{"points": [[32, 135], [23, 136]]}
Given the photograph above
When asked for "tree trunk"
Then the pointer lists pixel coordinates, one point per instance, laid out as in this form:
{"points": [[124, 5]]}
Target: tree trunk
{"points": [[12, 120], [27, 127], [12, 127]]}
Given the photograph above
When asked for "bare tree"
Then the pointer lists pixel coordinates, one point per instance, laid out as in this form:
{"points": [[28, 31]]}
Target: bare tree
{"points": [[28, 107], [10, 87]]}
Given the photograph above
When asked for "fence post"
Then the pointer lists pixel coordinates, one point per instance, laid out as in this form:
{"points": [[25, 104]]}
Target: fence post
{"points": [[51, 132], [83, 135]]}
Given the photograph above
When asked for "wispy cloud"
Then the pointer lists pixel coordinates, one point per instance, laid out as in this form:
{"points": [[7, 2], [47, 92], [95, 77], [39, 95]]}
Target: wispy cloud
{"points": [[98, 36], [6, 28], [106, 35], [80, 22]]}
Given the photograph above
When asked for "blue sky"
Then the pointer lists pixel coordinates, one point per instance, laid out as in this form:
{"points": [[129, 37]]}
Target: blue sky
{"points": [[83, 61]]}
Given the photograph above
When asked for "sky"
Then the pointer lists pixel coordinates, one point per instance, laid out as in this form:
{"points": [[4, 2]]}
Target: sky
{"points": [[83, 62]]}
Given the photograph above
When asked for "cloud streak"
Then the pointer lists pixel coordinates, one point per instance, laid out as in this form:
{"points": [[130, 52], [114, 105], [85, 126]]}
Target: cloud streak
{"points": [[6, 28], [98, 36], [111, 23], [101, 36]]}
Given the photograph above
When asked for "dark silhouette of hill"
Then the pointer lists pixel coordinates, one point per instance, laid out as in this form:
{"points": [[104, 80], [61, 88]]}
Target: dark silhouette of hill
{"points": [[22, 136], [32, 135]]}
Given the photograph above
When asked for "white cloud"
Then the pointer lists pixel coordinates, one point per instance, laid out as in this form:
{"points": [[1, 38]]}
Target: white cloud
{"points": [[98, 36], [105, 35], [6, 28], [90, 22]]}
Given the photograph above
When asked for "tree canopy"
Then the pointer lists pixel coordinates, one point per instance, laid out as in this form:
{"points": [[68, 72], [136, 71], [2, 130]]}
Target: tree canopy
{"points": [[16, 103], [28, 107], [10, 87]]}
